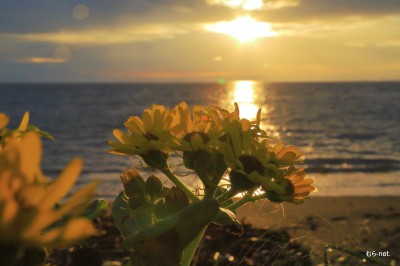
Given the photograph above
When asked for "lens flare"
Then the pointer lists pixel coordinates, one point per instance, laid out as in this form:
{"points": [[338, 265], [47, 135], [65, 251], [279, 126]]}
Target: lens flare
{"points": [[80, 12]]}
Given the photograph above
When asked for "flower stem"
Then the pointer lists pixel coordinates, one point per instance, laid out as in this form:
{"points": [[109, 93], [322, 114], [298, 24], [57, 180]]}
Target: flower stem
{"points": [[179, 184], [244, 200], [209, 191], [224, 197]]}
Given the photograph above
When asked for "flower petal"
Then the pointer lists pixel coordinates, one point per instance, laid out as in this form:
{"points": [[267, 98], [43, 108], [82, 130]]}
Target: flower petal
{"points": [[63, 184]]}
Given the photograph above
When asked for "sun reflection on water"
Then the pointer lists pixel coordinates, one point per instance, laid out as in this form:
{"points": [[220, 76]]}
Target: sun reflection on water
{"points": [[245, 93], [251, 96]]}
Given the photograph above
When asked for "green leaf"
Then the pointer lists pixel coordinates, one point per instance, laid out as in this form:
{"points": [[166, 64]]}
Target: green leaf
{"points": [[40, 132], [187, 223], [129, 220], [95, 208], [220, 168], [120, 212]]}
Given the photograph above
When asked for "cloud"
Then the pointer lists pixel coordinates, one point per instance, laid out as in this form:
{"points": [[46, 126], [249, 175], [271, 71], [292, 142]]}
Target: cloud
{"points": [[255, 4], [167, 75], [165, 40], [41, 60], [311, 10], [354, 31], [356, 44], [384, 44], [102, 36], [43, 16], [277, 4], [393, 43]]}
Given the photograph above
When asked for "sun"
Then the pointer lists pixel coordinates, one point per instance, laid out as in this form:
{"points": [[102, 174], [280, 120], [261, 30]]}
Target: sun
{"points": [[244, 29]]}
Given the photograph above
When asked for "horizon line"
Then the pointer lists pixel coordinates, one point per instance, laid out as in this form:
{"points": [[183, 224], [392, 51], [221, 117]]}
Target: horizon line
{"points": [[194, 81]]}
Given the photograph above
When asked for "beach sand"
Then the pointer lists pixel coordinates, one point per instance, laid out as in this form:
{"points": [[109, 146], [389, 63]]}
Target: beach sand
{"points": [[354, 224]]}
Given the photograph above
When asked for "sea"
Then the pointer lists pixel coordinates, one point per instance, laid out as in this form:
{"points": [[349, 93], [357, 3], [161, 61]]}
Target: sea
{"points": [[348, 131]]}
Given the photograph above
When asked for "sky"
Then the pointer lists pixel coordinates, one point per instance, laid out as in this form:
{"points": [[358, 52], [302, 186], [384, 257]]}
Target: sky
{"points": [[199, 41]]}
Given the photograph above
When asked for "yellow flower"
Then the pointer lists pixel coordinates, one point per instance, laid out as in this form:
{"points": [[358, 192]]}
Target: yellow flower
{"points": [[198, 141], [5, 133], [190, 122], [152, 132], [27, 202], [286, 155], [296, 186], [193, 132], [149, 137], [217, 115], [24, 128], [248, 160], [3, 121]]}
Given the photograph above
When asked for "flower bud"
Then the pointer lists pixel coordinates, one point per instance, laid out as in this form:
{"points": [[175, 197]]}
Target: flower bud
{"points": [[175, 200], [153, 187], [133, 182]]}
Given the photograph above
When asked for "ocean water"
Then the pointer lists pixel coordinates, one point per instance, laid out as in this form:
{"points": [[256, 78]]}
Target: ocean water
{"points": [[349, 132]]}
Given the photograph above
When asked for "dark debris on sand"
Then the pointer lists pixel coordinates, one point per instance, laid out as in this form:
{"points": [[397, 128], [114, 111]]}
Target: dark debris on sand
{"points": [[220, 246], [223, 246]]}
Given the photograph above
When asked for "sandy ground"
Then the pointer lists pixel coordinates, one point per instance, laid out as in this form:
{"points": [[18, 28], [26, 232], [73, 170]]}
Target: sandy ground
{"points": [[350, 224], [321, 231]]}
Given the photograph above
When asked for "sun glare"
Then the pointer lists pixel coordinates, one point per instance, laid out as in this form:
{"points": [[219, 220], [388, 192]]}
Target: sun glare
{"points": [[244, 91], [244, 29]]}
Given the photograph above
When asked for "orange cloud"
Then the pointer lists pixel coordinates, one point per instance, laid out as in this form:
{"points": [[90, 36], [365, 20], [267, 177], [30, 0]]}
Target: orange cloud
{"points": [[162, 75], [41, 60]]}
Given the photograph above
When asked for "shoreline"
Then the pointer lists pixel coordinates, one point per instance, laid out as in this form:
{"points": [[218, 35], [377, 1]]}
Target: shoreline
{"points": [[325, 206]]}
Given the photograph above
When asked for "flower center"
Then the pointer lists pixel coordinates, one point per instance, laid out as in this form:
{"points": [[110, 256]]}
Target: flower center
{"points": [[150, 136], [251, 164]]}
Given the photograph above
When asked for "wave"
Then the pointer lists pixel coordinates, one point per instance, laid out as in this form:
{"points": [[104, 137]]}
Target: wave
{"points": [[332, 165]]}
